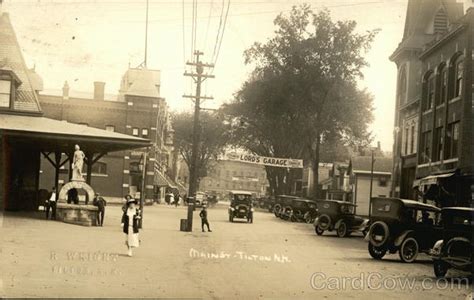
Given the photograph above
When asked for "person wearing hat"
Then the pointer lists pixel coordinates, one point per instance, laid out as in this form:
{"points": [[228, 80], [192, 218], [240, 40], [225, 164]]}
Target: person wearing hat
{"points": [[100, 203], [203, 215], [130, 219]]}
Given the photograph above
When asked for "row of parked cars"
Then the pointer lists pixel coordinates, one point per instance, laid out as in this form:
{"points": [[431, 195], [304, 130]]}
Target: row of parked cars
{"points": [[395, 225]]}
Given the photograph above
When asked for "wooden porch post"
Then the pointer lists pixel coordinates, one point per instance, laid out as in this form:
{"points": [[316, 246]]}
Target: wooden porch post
{"points": [[89, 162], [57, 163]]}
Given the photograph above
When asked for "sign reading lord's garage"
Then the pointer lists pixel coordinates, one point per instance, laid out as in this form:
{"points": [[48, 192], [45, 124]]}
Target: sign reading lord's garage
{"points": [[266, 161]]}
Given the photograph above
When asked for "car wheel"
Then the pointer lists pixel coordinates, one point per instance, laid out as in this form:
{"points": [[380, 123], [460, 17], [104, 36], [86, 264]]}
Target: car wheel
{"points": [[342, 229], [318, 230], [440, 268], [324, 222], [376, 252], [408, 250]]}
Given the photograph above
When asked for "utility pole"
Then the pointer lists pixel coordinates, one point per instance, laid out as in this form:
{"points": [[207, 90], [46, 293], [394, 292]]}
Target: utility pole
{"points": [[198, 78]]}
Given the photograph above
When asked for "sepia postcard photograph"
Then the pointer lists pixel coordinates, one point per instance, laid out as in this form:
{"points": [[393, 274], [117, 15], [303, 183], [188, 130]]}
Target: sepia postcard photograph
{"points": [[236, 149]]}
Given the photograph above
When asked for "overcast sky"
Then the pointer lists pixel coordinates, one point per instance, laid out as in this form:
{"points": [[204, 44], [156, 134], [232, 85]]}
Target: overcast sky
{"points": [[87, 41]]}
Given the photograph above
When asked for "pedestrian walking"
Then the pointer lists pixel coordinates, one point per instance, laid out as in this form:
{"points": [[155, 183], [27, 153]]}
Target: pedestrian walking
{"points": [[176, 200], [51, 204], [203, 215], [130, 219], [100, 203]]}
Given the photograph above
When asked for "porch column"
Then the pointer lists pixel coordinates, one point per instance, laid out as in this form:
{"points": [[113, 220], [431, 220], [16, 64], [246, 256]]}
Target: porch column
{"points": [[89, 162], [57, 165]]}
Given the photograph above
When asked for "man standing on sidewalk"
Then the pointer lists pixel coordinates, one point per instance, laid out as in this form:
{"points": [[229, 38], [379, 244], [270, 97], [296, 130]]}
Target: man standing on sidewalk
{"points": [[51, 204], [203, 215], [100, 203]]}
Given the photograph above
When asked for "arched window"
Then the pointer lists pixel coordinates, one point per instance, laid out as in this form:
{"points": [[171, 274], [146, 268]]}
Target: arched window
{"points": [[440, 22], [402, 86], [458, 76], [429, 91], [443, 85]]}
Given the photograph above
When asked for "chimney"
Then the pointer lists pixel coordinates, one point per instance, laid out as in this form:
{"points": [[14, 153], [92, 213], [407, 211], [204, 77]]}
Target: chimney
{"points": [[99, 88], [65, 90], [378, 146]]}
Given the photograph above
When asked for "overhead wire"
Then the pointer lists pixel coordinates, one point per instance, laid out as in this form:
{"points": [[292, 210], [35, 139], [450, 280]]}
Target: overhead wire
{"points": [[218, 31], [223, 31]]}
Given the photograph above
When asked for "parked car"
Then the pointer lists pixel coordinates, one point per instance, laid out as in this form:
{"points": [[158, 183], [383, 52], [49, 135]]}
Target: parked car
{"points": [[340, 216], [282, 204], [201, 199], [456, 247], [298, 209], [406, 226], [241, 206]]}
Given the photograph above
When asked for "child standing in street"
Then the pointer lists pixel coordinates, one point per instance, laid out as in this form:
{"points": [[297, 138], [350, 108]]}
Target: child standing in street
{"points": [[203, 215]]}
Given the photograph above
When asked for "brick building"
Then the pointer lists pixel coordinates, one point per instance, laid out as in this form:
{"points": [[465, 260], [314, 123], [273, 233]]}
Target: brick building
{"points": [[138, 110], [226, 175], [433, 119]]}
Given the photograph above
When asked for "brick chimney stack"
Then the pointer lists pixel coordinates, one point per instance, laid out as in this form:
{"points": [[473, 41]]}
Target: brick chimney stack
{"points": [[99, 90], [65, 90]]}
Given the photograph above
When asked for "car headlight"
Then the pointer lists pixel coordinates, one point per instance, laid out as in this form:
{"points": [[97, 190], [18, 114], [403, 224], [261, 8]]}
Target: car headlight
{"points": [[231, 208]]}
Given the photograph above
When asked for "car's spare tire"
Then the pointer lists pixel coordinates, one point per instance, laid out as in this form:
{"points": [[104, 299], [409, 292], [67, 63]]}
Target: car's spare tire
{"points": [[324, 222], [378, 233]]}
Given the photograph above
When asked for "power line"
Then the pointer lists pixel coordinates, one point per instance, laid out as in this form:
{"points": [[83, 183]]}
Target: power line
{"points": [[218, 31], [184, 36], [223, 31], [208, 22]]}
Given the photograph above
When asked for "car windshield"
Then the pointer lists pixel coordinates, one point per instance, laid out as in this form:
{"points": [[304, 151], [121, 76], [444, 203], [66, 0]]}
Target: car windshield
{"points": [[239, 198]]}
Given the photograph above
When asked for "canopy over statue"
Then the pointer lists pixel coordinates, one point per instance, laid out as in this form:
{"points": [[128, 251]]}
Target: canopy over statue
{"points": [[77, 164]]}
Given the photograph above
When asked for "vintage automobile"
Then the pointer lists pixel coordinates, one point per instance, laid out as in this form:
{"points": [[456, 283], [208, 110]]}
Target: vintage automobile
{"points": [[340, 216], [282, 203], [456, 247], [241, 206], [406, 226], [298, 209]]}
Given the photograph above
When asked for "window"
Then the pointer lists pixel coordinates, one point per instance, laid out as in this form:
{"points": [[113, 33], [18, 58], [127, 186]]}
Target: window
{"points": [[458, 77], [145, 132], [402, 87], [383, 181], [438, 144], [443, 86], [406, 140], [412, 140], [135, 131], [110, 128], [99, 168], [452, 140], [426, 147], [5, 92], [430, 92], [134, 167]]}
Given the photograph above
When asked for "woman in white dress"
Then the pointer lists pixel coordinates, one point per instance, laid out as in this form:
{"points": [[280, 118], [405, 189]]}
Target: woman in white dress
{"points": [[130, 219]]}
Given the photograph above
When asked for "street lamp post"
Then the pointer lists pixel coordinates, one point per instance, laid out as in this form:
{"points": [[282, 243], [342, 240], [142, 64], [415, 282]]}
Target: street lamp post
{"points": [[371, 180]]}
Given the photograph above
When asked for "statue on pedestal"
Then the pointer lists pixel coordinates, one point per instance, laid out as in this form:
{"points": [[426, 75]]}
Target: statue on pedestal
{"points": [[77, 163]]}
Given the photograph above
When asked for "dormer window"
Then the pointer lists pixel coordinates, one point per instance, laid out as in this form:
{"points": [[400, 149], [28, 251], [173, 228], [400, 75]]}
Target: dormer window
{"points": [[5, 93], [440, 22], [9, 82]]}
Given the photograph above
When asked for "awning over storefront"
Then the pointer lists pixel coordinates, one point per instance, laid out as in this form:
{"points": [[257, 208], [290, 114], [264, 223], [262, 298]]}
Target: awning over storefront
{"points": [[53, 135], [432, 179]]}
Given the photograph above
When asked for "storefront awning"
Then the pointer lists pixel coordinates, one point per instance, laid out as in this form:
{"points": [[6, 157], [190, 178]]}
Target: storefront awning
{"points": [[53, 135], [432, 179]]}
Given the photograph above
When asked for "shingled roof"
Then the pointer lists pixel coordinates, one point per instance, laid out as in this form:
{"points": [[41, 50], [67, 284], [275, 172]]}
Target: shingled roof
{"points": [[362, 164], [11, 59]]}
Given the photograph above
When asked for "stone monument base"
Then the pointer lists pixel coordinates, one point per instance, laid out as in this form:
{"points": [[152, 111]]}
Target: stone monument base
{"points": [[85, 215]]}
